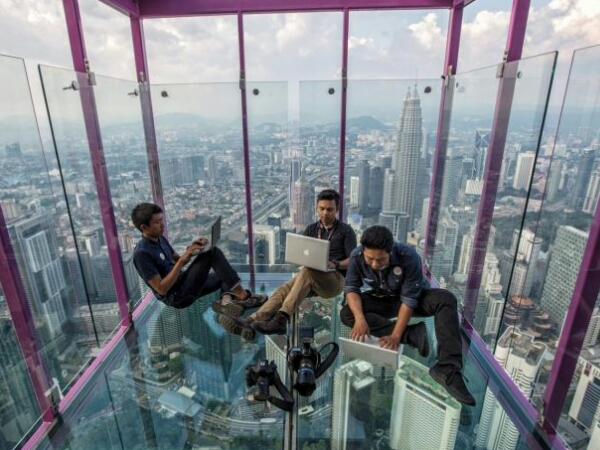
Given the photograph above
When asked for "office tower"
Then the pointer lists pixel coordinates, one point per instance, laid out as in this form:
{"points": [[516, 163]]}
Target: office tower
{"points": [[466, 248], [424, 219], [37, 252], [591, 335], [522, 357], [376, 190], [303, 206], [81, 200], [274, 220], [419, 400], [422, 190], [397, 223], [13, 150], [91, 239], [524, 171], [213, 170], [388, 185], [364, 187], [482, 144], [384, 161], [352, 385], [593, 191], [131, 277], [447, 236], [565, 259], [80, 275], [452, 179], [354, 190], [401, 192], [196, 163], [554, 180], [519, 264], [584, 171], [584, 407], [103, 278], [295, 172], [10, 209], [270, 236], [127, 241]]}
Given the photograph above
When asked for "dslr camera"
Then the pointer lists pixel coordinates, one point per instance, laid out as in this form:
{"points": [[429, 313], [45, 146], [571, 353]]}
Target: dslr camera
{"points": [[306, 361], [264, 374]]}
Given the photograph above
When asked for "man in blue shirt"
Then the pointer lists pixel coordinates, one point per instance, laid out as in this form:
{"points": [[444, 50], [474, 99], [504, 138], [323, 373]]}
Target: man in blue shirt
{"points": [[398, 289], [162, 269]]}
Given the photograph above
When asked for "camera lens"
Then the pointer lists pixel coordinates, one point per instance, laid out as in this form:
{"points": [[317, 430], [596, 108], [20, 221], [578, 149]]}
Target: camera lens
{"points": [[306, 381]]}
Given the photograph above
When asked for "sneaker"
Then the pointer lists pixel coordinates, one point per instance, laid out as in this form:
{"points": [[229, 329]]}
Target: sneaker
{"points": [[237, 325], [228, 305], [451, 379], [416, 336], [253, 300], [275, 325]]}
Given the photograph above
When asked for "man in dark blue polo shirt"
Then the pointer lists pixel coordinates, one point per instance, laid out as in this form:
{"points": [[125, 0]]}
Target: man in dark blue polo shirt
{"points": [[398, 289], [163, 269]]}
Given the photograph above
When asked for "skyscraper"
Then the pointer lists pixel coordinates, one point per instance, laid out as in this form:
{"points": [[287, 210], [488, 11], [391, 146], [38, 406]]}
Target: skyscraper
{"points": [[418, 400], [584, 171], [303, 208], [376, 190], [452, 179], [482, 144], [365, 182], [38, 259], [401, 187], [522, 357], [295, 172], [593, 191], [525, 165]]}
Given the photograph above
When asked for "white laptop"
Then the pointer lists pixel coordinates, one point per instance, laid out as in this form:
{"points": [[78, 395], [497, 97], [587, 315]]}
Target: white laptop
{"points": [[307, 251], [215, 235], [371, 352]]}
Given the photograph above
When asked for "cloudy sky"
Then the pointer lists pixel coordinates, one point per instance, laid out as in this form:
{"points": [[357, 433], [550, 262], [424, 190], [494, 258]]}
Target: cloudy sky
{"points": [[293, 47]]}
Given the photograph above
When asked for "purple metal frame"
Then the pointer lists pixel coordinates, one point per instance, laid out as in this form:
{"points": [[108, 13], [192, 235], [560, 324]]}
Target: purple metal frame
{"points": [[92, 126], [443, 131], [576, 323], [143, 78], [246, 141], [504, 98], [178, 8], [18, 306], [342, 169]]}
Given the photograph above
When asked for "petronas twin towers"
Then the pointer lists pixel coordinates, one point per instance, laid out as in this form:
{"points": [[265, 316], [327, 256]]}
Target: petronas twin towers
{"points": [[401, 180]]}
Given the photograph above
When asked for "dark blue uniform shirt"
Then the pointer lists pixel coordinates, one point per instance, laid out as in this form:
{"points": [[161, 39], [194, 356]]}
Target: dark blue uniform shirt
{"points": [[402, 278], [151, 258]]}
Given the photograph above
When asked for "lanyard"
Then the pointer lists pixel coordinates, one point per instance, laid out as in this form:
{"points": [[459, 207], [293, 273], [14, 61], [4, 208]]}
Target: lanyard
{"points": [[330, 231]]}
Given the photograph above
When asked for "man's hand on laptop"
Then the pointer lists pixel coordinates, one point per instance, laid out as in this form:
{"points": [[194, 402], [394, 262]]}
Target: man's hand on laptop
{"points": [[192, 250], [201, 241], [361, 331], [390, 342]]}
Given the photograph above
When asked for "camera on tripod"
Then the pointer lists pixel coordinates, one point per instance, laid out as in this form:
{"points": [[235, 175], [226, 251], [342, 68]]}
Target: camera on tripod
{"points": [[306, 361]]}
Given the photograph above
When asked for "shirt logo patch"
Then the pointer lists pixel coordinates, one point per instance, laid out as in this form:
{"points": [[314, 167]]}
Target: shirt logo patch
{"points": [[162, 256], [397, 271]]}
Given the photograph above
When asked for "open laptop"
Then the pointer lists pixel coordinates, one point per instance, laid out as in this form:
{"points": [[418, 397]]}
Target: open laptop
{"points": [[215, 235], [307, 251], [371, 352]]}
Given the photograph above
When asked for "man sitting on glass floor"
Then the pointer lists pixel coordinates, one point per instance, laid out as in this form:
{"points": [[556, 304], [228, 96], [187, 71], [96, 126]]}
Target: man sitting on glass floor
{"points": [[394, 273]]}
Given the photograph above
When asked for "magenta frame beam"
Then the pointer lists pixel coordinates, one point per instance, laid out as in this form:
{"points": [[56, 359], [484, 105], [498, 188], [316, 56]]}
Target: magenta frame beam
{"points": [[246, 142], [504, 98], [178, 8], [443, 131], [344, 95], [127, 7], [143, 78], [18, 306], [92, 127], [576, 322]]}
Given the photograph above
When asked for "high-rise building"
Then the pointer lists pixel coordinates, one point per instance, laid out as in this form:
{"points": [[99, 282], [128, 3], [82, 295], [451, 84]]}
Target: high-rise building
{"points": [[524, 171], [402, 186], [303, 206], [554, 177], [566, 256], [593, 192], [36, 248], [364, 187], [584, 408], [13, 150], [482, 144], [295, 172], [91, 239], [418, 400], [352, 384], [522, 357], [452, 178], [272, 241], [213, 170], [10, 209], [376, 190], [582, 180], [354, 190]]}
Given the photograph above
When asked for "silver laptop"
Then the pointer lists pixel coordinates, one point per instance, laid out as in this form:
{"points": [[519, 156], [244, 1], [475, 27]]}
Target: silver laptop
{"points": [[307, 251], [215, 235], [371, 352]]}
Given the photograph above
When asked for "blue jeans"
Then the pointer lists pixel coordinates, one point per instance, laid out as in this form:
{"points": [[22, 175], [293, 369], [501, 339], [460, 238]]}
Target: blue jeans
{"points": [[198, 280]]}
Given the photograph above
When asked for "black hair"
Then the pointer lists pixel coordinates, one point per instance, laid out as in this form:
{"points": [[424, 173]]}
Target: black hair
{"points": [[142, 214], [377, 237], [329, 194]]}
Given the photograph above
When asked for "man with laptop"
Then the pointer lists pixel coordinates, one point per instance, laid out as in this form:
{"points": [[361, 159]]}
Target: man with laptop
{"points": [[162, 269], [327, 280], [399, 290]]}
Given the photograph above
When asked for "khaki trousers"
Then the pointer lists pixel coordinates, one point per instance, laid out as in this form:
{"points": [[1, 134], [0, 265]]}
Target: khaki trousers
{"points": [[306, 283]]}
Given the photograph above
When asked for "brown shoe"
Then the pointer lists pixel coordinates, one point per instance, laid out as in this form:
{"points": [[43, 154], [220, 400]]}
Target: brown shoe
{"points": [[237, 325], [275, 325], [253, 300], [228, 304]]}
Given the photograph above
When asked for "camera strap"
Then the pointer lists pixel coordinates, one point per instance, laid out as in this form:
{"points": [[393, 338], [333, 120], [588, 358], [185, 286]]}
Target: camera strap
{"points": [[287, 403], [328, 361]]}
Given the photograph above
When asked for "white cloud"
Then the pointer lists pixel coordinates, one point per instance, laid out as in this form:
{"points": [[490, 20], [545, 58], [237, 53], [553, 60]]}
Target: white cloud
{"points": [[427, 32]]}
